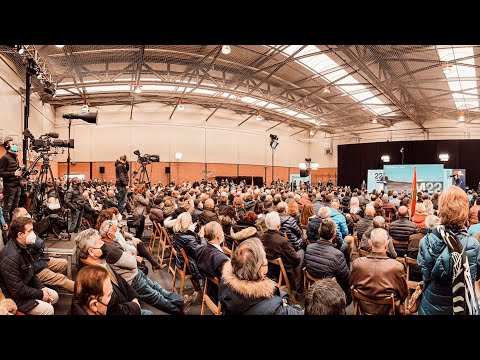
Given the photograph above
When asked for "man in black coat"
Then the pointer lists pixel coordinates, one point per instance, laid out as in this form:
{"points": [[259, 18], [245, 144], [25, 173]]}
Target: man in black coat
{"points": [[323, 260], [124, 299], [401, 230], [363, 224], [74, 202], [10, 172], [17, 272], [121, 173], [277, 245], [210, 257]]}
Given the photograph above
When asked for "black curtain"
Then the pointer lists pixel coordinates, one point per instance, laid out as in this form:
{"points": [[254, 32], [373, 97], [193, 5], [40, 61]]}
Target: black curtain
{"points": [[355, 160]]}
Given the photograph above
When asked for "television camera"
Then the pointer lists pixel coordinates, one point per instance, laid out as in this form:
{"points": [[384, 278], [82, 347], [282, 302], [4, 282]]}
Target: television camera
{"points": [[146, 158]]}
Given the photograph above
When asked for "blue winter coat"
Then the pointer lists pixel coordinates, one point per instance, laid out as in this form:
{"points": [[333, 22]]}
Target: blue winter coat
{"points": [[341, 222], [435, 262]]}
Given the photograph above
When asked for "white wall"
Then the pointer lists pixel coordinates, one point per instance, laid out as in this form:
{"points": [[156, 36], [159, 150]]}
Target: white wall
{"points": [[218, 140], [41, 119]]}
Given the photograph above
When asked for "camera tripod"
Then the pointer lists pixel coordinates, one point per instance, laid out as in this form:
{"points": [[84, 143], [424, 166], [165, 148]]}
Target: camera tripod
{"points": [[143, 174], [39, 196]]}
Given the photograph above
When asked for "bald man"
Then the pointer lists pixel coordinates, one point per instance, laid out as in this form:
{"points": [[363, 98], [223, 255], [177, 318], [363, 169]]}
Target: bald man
{"points": [[401, 230], [378, 276]]}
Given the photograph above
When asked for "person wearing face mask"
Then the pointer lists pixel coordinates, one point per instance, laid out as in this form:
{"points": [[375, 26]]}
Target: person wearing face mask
{"points": [[210, 257], [74, 202], [11, 174], [92, 252], [17, 272], [93, 291], [110, 232], [49, 270]]}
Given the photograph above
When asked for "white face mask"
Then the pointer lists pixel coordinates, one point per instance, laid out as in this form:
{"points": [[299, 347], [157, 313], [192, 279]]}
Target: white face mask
{"points": [[31, 238], [222, 239], [119, 217]]}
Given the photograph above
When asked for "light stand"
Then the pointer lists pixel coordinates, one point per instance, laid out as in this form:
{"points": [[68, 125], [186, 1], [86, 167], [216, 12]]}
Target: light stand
{"points": [[89, 117], [26, 113], [273, 145]]}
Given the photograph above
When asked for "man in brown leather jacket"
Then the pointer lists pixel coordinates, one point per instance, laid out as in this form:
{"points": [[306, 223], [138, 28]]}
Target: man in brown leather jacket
{"points": [[377, 276]]}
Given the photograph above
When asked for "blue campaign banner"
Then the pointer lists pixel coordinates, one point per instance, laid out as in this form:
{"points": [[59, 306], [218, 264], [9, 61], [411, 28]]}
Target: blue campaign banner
{"points": [[298, 178], [430, 178], [374, 179]]}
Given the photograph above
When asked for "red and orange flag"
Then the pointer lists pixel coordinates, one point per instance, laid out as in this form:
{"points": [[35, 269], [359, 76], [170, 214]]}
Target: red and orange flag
{"points": [[413, 203]]}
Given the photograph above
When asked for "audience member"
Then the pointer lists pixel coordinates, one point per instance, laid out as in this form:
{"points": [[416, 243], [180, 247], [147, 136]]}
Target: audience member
{"points": [[377, 276], [325, 297], [449, 258], [245, 288]]}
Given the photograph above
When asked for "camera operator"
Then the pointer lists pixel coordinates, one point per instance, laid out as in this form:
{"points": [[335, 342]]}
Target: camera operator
{"points": [[11, 172], [74, 202], [121, 172]]}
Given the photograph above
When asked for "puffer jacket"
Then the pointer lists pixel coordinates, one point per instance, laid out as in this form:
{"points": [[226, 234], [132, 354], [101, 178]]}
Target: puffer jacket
{"points": [[8, 165], [17, 276], [323, 260], [362, 225], [242, 297], [289, 226], [339, 218], [73, 198], [188, 241], [401, 230], [435, 262]]}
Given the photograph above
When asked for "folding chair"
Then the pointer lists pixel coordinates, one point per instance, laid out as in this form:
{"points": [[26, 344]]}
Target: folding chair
{"points": [[356, 296], [283, 282], [207, 300]]}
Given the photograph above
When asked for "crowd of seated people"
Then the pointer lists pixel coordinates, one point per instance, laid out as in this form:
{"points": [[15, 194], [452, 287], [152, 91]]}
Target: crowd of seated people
{"points": [[234, 232]]}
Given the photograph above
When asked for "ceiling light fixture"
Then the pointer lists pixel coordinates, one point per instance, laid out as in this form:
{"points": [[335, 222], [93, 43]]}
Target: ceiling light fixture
{"points": [[311, 133], [20, 49], [326, 90], [85, 106], [461, 116], [180, 106], [59, 46], [443, 157], [374, 120], [226, 49], [259, 117], [138, 89]]}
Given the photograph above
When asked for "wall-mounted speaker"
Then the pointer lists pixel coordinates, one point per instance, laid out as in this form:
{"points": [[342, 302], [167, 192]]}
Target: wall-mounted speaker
{"points": [[167, 169], [102, 169]]}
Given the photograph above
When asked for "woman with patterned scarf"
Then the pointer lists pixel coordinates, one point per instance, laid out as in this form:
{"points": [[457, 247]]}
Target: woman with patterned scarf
{"points": [[449, 260]]}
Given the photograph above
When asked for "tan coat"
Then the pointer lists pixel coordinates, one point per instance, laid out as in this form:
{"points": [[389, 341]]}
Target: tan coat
{"points": [[378, 276]]}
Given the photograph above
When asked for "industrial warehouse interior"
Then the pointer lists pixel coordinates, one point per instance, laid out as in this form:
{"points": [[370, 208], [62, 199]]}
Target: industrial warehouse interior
{"points": [[239, 180]]}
